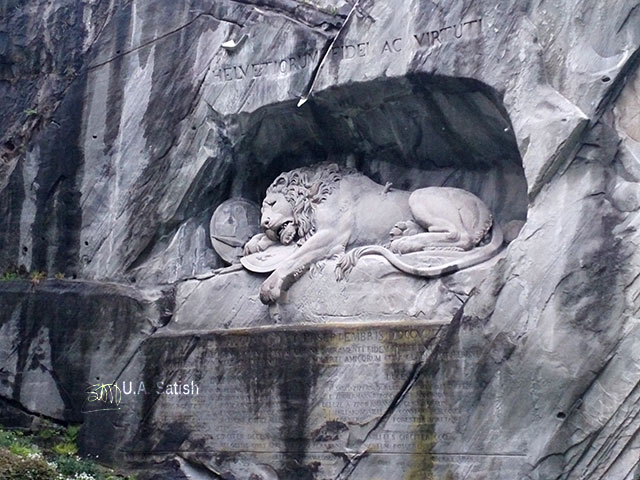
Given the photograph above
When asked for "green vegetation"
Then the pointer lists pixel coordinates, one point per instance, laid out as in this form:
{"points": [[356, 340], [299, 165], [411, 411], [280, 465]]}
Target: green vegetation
{"points": [[13, 273], [37, 276], [17, 467], [31, 112], [23, 450], [65, 449], [48, 433], [49, 454], [6, 276], [68, 445]]}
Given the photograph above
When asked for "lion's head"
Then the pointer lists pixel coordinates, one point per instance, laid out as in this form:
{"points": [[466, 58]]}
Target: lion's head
{"points": [[288, 210]]}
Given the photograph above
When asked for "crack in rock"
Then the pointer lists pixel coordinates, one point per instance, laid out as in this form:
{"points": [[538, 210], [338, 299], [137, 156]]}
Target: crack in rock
{"points": [[161, 37], [19, 406], [418, 369], [294, 11], [325, 54]]}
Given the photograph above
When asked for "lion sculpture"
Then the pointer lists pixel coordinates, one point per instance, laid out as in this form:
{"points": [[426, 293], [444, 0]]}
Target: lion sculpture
{"points": [[314, 213]]}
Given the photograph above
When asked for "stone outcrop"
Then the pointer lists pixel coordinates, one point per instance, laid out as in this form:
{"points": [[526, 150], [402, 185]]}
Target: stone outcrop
{"points": [[125, 125]]}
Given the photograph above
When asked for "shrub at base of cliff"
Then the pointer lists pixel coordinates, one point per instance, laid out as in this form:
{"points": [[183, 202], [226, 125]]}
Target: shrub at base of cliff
{"points": [[31, 467], [49, 454]]}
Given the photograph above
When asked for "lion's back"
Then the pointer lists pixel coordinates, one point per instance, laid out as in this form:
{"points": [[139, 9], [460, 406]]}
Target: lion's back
{"points": [[375, 211], [456, 206]]}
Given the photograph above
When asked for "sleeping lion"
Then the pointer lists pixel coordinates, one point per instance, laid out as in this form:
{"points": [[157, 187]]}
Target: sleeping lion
{"points": [[326, 210]]}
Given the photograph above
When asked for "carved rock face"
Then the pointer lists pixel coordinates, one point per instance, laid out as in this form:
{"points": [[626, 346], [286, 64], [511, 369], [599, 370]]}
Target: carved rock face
{"points": [[444, 218], [277, 219], [115, 177]]}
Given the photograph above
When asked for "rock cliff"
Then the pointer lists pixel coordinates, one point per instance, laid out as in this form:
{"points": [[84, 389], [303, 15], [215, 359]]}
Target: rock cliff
{"points": [[126, 123]]}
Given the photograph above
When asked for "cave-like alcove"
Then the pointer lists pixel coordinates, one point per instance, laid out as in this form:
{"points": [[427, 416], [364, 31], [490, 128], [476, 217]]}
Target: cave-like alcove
{"points": [[413, 131]]}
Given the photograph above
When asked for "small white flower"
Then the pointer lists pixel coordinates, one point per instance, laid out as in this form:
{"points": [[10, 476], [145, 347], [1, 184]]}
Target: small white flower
{"points": [[83, 476]]}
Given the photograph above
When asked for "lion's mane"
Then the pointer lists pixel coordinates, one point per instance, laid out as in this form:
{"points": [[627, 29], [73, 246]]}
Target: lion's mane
{"points": [[305, 188]]}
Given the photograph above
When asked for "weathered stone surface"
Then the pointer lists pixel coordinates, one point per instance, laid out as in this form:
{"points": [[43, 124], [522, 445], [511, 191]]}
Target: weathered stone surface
{"points": [[374, 292], [126, 123], [59, 337], [296, 399], [227, 300]]}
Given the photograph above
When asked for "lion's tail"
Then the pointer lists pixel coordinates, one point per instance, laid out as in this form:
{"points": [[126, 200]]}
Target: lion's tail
{"points": [[476, 256]]}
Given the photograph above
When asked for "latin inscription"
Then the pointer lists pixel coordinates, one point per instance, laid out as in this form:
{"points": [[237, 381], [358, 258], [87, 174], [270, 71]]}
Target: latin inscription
{"points": [[350, 376], [351, 51], [335, 390], [331, 349]]}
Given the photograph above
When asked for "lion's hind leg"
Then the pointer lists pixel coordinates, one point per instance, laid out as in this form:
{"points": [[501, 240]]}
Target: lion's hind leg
{"points": [[442, 235], [420, 242]]}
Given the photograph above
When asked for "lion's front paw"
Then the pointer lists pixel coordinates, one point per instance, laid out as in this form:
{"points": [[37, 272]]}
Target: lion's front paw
{"points": [[271, 289], [255, 244]]}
